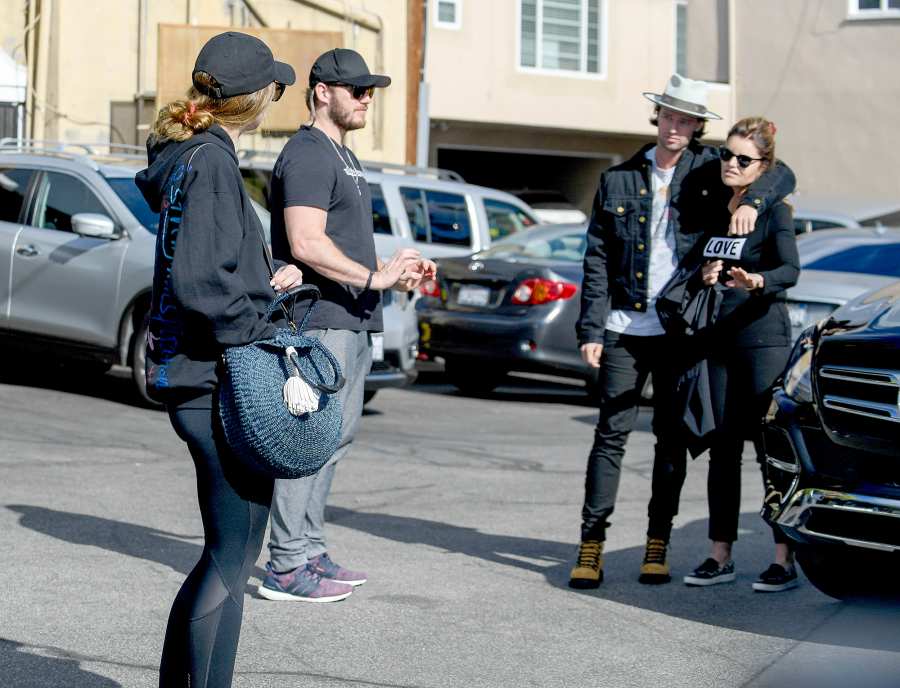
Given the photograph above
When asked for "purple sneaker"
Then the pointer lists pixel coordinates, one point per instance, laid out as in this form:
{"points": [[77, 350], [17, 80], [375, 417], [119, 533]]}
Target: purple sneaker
{"points": [[302, 585], [325, 567]]}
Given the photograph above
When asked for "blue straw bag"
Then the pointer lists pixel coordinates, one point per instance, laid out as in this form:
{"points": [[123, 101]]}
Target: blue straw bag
{"points": [[258, 424]]}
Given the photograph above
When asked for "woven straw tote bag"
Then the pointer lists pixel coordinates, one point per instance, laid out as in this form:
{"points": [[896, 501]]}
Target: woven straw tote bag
{"points": [[257, 421]]}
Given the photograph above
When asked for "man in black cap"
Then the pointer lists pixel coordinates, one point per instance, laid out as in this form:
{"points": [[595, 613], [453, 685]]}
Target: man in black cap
{"points": [[322, 222]]}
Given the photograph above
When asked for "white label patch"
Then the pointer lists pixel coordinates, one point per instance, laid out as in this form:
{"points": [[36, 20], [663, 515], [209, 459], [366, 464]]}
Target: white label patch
{"points": [[724, 248]]}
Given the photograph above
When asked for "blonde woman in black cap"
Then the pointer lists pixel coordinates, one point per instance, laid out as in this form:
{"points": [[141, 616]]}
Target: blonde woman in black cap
{"points": [[210, 289]]}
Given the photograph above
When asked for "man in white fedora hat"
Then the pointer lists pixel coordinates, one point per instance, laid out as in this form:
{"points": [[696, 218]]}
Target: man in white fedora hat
{"points": [[635, 240]]}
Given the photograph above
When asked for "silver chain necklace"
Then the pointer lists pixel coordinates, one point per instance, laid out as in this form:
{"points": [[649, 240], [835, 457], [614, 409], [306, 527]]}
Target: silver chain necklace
{"points": [[349, 168]]}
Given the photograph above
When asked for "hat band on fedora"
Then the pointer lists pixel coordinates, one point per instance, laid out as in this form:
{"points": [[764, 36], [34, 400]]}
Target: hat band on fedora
{"points": [[666, 99]]}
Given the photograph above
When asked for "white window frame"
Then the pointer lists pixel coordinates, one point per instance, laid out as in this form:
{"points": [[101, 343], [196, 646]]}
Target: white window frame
{"points": [[675, 5], [567, 73], [884, 12], [457, 13]]}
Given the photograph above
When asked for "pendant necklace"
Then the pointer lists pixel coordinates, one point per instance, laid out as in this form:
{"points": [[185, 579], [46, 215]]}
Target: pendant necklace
{"points": [[349, 168]]}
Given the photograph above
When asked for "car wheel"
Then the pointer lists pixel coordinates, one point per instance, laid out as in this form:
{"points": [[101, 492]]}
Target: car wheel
{"points": [[846, 572], [137, 359], [368, 395], [473, 379]]}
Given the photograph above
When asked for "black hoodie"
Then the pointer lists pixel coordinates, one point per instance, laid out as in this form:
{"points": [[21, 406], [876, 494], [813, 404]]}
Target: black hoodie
{"points": [[211, 280]]}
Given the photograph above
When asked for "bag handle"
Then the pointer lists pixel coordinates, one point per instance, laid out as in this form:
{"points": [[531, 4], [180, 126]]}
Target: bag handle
{"points": [[339, 379], [310, 291]]}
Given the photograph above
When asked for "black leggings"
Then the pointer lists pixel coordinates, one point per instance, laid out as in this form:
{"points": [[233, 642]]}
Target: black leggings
{"points": [[739, 381], [205, 621]]}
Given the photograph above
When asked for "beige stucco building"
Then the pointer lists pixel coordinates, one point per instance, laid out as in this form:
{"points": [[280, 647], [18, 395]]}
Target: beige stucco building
{"points": [[94, 67], [516, 93], [528, 93], [826, 73]]}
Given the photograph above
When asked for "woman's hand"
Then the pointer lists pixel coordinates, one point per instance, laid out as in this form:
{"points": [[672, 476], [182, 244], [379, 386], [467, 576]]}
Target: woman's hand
{"points": [[741, 279], [711, 271], [286, 278]]}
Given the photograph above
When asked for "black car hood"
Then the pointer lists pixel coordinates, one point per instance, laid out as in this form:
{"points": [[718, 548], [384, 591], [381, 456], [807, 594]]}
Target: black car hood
{"points": [[878, 312]]}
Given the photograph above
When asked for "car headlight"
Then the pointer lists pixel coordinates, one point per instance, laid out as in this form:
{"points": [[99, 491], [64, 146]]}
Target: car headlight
{"points": [[797, 376]]}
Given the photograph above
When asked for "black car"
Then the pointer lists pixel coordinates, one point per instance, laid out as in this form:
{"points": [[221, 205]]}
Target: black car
{"points": [[832, 444], [510, 308]]}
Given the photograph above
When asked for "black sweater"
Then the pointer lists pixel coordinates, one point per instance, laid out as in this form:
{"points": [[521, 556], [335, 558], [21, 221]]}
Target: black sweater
{"points": [[211, 281], [758, 317]]}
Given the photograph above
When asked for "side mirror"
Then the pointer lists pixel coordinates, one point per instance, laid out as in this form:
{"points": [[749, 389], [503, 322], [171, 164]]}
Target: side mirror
{"points": [[93, 225]]}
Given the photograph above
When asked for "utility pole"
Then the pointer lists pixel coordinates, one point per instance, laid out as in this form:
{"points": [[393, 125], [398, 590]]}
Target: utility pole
{"points": [[415, 80]]}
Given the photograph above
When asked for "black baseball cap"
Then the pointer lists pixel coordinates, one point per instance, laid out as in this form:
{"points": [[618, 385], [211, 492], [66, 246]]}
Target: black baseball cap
{"points": [[344, 66], [241, 64]]}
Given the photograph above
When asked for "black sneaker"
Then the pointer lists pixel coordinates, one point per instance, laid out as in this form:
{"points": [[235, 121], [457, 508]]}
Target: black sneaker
{"points": [[776, 578], [710, 573]]}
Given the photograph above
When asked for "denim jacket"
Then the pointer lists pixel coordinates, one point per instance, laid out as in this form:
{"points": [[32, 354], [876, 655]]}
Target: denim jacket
{"points": [[617, 260]]}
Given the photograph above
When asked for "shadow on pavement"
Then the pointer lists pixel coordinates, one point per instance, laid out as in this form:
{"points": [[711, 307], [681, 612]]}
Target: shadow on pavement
{"points": [[70, 377], [32, 666], [797, 614], [141, 542], [514, 388]]}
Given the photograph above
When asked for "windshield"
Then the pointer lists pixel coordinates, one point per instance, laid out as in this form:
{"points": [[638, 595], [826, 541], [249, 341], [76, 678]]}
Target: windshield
{"points": [[561, 247], [131, 197], [869, 259]]}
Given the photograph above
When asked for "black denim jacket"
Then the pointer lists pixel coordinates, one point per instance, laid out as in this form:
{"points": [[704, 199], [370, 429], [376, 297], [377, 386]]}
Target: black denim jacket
{"points": [[617, 260]]}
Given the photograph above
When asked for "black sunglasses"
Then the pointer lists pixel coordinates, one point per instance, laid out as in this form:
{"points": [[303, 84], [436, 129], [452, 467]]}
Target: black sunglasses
{"points": [[279, 91], [726, 154], [358, 92]]}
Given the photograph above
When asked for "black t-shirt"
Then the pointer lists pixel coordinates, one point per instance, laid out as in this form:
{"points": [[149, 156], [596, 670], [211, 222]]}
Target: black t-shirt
{"points": [[314, 171]]}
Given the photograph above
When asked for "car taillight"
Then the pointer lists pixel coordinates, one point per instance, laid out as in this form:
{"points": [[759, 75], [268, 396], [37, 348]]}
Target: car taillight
{"points": [[430, 287], [535, 291]]}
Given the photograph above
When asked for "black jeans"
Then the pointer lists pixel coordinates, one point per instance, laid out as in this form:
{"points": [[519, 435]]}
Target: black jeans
{"points": [[205, 621], [626, 362], [740, 378]]}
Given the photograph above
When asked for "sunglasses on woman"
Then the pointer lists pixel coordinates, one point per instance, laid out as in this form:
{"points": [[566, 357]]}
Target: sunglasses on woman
{"points": [[359, 92], [726, 154], [279, 91]]}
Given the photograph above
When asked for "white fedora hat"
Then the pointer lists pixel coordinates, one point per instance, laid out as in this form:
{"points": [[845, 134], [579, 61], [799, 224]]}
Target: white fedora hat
{"points": [[684, 95]]}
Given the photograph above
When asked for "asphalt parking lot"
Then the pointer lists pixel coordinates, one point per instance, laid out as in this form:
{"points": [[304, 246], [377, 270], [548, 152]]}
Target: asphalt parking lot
{"points": [[464, 512]]}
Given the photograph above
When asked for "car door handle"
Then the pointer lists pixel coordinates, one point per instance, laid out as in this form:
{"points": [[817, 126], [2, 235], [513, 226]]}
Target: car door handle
{"points": [[28, 251]]}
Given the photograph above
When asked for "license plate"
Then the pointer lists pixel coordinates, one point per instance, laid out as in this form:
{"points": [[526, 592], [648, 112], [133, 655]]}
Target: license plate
{"points": [[377, 346], [470, 295]]}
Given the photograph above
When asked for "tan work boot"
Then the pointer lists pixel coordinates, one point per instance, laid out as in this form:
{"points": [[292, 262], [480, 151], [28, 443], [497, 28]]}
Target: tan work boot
{"points": [[588, 570], [655, 568]]}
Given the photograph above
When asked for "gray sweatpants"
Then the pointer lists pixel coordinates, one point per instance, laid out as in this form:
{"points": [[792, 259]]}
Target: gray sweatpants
{"points": [[298, 506]]}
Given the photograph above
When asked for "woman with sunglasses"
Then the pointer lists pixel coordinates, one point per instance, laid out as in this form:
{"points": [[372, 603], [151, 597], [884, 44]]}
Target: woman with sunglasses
{"points": [[749, 345], [211, 286]]}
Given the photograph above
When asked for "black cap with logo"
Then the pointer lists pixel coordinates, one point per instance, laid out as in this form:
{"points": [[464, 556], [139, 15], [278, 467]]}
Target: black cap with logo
{"points": [[241, 64], [344, 66]]}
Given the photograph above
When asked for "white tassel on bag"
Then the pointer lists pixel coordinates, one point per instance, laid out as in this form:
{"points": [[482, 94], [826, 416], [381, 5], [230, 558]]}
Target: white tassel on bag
{"points": [[299, 396]]}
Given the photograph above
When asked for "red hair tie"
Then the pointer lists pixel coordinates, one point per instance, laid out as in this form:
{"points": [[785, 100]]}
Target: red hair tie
{"points": [[189, 113], [772, 128]]}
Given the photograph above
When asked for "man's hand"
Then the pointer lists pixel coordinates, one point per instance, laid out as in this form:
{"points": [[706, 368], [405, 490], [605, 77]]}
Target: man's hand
{"points": [[404, 264], [286, 278], [741, 279], [711, 271], [743, 221], [426, 269], [590, 354]]}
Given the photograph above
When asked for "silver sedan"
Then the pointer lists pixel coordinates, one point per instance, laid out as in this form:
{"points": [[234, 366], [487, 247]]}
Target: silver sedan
{"points": [[838, 265]]}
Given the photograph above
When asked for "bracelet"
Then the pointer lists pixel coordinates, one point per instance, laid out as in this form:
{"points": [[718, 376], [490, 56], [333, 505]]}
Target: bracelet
{"points": [[369, 281]]}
